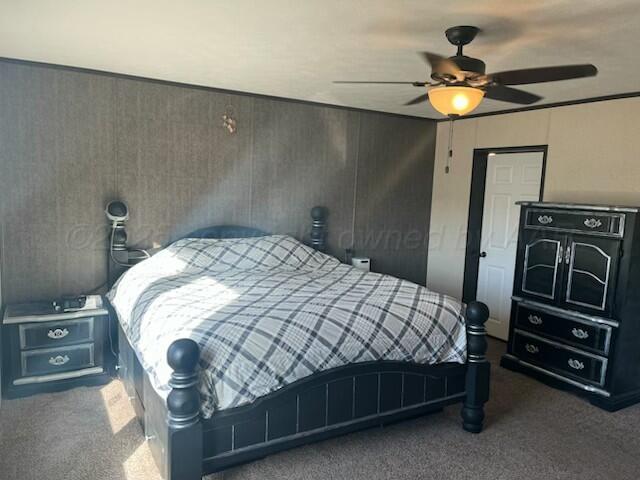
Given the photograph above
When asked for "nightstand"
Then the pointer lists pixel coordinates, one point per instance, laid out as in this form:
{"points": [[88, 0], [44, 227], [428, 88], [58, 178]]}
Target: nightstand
{"points": [[45, 350]]}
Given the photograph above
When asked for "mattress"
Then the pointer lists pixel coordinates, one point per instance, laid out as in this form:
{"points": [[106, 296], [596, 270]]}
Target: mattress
{"points": [[268, 311]]}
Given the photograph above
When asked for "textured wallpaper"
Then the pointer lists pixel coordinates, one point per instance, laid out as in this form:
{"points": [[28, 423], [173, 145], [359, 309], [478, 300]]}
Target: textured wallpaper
{"points": [[72, 141]]}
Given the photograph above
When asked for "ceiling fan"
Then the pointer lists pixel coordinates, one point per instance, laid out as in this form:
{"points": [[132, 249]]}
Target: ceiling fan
{"points": [[461, 82]]}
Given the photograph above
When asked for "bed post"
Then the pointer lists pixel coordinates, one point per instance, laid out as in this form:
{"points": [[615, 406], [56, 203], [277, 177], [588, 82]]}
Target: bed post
{"points": [[318, 228], [184, 444], [478, 368]]}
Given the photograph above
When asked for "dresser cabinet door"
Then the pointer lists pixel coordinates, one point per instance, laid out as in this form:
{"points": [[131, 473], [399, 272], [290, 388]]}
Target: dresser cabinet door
{"points": [[540, 262], [590, 273]]}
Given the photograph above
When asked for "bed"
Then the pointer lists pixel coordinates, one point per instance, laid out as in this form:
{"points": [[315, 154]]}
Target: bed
{"points": [[235, 344]]}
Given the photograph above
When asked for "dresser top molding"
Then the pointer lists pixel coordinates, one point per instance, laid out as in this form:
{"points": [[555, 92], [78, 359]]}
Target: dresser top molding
{"points": [[578, 206]]}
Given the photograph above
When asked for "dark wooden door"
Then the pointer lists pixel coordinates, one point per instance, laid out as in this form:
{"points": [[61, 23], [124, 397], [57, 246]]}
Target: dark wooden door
{"points": [[590, 276], [540, 269]]}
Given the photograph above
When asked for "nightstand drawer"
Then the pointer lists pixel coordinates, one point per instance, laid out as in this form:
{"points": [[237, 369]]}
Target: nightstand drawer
{"points": [[53, 360], [581, 333], [563, 359], [54, 334]]}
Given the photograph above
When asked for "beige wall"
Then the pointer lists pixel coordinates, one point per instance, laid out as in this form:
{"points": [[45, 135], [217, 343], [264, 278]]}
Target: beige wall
{"points": [[593, 157]]}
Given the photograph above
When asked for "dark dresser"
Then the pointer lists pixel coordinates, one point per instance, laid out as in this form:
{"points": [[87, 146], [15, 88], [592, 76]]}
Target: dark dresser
{"points": [[46, 350], [575, 317]]}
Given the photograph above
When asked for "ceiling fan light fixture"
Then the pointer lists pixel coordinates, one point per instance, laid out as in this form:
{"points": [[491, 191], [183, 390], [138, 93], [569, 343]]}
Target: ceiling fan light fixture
{"points": [[455, 100]]}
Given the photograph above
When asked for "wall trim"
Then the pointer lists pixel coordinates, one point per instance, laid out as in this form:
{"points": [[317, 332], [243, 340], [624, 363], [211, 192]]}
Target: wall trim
{"points": [[476, 211], [604, 98], [125, 76]]}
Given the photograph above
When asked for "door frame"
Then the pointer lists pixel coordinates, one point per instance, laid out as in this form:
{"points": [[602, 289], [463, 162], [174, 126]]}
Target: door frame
{"points": [[476, 211]]}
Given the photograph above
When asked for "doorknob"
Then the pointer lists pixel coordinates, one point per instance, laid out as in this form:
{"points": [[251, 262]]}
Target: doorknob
{"points": [[483, 254]]}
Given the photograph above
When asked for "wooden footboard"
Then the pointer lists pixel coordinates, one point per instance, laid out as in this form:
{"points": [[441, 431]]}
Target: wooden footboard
{"points": [[186, 446], [322, 406]]}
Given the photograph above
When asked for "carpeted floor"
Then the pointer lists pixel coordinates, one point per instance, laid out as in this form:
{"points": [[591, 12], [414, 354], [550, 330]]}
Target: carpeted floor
{"points": [[532, 432]]}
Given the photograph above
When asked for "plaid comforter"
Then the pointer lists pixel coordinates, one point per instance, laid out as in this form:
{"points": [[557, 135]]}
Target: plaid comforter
{"points": [[268, 311]]}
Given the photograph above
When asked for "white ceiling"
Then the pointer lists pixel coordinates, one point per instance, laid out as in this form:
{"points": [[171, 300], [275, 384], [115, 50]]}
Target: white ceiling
{"points": [[296, 48]]}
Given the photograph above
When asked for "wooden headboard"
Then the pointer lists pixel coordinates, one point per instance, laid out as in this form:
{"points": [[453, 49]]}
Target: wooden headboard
{"points": [[317, 240], [226, 231]]}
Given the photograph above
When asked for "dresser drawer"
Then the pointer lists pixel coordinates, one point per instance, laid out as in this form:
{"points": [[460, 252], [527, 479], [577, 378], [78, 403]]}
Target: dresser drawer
{"points": [[53, 360], [602, 223], [580, 333], [54, 334], [563, 359]]}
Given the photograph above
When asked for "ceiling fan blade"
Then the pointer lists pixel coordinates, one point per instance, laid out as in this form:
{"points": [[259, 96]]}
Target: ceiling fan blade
{"points": [[419, 99], [513, 95], [415, 84], [440, 64], [543, 74]]}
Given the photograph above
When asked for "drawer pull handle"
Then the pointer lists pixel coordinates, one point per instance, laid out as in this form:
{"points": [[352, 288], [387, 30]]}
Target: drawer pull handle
{"points": [[592, 223], [545, 219], [535, 319], [579, 333], [59, 360], [58, 333], [576, 364], [531, 348]]}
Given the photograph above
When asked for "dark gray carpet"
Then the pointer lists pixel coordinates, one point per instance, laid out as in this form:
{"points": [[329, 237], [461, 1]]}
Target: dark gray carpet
{"points": [[532, 432]]}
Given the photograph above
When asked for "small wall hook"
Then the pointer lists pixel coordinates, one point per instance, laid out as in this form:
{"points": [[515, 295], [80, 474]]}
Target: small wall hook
{"points": [[229, 122]]}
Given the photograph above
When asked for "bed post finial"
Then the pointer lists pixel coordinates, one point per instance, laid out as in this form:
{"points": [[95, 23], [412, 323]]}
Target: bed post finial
{"points": [[478, 368], [185, 429], [318, 228], [184, 400]]}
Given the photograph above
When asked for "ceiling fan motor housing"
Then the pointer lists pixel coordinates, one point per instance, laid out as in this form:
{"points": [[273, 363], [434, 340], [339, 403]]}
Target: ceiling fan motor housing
{"points": [[471, 68]]}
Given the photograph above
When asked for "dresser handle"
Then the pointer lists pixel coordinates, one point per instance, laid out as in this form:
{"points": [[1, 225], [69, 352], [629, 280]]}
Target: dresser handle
{"points": [[592, 223], [59, 360], [58, 333], [531, 348], [576, 364], [579, 333], [545, 219], [535, 319]]}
